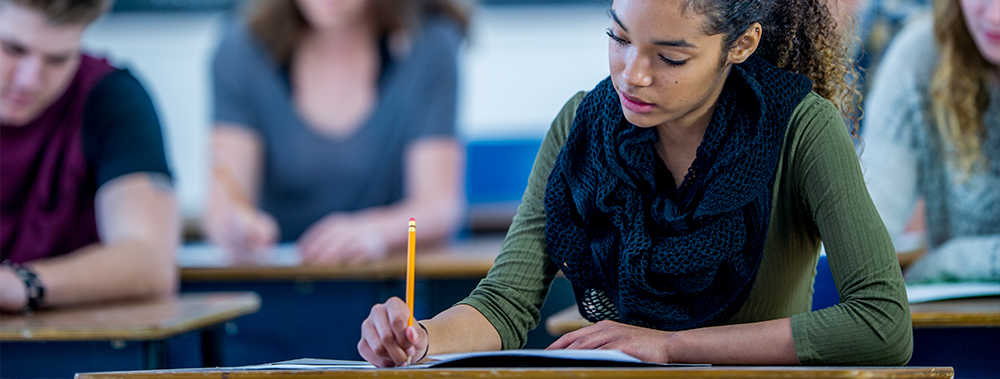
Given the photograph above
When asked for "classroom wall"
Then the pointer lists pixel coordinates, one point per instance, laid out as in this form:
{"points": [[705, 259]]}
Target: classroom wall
{"points": [[521, 63]]}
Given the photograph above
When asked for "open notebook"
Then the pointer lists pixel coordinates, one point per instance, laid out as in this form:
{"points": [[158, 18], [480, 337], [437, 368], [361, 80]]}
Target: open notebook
{"points": [[495, 359]]}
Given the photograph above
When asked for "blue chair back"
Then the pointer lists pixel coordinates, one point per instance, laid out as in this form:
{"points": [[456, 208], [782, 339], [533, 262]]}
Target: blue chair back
{"points": [[497, 171], [824, 289]]}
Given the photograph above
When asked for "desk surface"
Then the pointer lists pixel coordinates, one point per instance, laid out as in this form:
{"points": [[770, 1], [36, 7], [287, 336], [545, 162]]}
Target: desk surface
{"points": [[549, 373], [974, 312], [960, 313], [463, 259], [150, 319]]}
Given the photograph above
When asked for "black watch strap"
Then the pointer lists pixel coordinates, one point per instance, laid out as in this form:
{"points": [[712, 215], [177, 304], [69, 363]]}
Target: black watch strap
{"points": [[426, 335]]}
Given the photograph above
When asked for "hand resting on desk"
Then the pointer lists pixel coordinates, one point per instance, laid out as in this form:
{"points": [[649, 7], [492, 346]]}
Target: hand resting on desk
{"points": [[649, 345], [341, 238]]}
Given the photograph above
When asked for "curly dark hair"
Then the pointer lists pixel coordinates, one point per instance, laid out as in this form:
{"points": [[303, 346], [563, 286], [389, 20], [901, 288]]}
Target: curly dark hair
{"points": [[799, 36]]}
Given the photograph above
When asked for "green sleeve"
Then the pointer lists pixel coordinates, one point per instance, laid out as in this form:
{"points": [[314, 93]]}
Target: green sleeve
{"points": [[871, 325], [515, 288]]}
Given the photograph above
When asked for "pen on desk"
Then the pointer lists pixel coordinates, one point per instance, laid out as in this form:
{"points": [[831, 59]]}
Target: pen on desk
{"points": [[411, 261]]}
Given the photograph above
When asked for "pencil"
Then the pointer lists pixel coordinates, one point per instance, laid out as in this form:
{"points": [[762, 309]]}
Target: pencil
{"points": [[230, 185], [411, 261]]}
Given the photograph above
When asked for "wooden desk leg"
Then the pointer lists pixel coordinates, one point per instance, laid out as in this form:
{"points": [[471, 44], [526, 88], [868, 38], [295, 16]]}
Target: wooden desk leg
{"points": [[156, 354], [211, 346]]}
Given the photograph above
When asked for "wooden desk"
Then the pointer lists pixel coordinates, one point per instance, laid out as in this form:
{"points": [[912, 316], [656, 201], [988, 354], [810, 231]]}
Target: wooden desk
{"points": [[551, 373], [149, 321], [963, 333], [959, 313]]}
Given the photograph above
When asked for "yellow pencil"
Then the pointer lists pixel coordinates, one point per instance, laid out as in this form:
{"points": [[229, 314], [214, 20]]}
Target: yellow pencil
{"points": [[230, 185], [411, 261]]}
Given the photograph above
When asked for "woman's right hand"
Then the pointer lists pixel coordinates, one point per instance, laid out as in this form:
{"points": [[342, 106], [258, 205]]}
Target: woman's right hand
{"points": [[386, 341], [244, 229]]}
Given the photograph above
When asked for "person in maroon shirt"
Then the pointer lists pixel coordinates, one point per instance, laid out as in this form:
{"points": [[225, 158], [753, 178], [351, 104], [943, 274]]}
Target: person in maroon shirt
{"points": [[87, 207]]}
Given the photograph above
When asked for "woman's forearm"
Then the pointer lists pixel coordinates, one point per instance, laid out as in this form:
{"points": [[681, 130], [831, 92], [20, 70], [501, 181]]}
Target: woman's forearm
{"points": [[108, 271], [760, 343], [460, 329]]}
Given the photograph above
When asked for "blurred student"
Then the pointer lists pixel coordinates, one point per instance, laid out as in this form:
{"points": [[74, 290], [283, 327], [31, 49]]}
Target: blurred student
{"points": [[87, 208], [335, 123], [933, 131], [876, 23]]}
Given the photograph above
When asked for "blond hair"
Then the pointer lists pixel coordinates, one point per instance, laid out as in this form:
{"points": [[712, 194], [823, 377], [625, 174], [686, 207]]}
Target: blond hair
{"points": [[958, 88]]}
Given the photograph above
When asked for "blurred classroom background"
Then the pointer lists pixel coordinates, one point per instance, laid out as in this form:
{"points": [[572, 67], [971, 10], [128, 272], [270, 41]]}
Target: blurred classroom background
{"points": [[521, 61]]}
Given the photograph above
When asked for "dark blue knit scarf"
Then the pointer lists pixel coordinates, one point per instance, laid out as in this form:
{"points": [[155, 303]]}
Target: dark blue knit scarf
{"points": [[640, 251]]}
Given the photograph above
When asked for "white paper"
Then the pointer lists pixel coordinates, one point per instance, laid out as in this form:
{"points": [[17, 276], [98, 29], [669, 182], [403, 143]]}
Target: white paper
{"points": [[919, 293], [204, 255], [309, 364]]}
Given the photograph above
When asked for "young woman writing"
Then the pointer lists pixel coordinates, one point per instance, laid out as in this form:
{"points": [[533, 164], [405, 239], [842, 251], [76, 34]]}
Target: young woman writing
{"points": [[685, 198]]}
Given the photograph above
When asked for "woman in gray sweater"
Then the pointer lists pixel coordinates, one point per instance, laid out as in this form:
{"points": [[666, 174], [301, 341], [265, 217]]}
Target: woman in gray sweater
{"points": [[932, 130]]}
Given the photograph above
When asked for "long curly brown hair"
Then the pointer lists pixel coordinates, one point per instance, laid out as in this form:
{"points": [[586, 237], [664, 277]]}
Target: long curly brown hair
{"points": [[959, 86], [799, 36], [280, 25]]}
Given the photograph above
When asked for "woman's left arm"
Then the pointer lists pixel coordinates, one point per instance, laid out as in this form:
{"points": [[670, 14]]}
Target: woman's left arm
{"points": [[871, 324]]}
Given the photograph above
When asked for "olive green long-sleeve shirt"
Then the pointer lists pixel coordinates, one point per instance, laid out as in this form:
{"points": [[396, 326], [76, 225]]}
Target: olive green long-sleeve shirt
{"points": [[818, 191]]}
